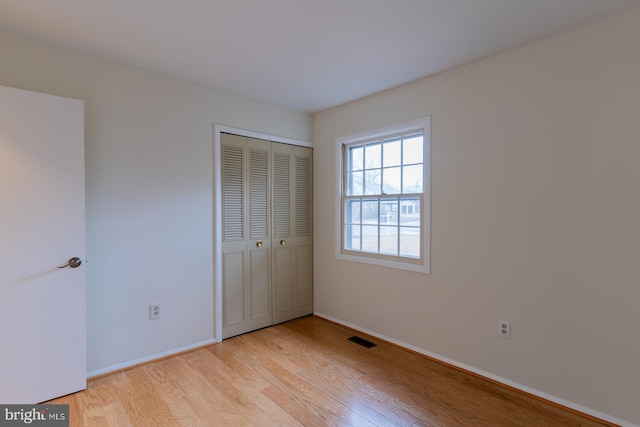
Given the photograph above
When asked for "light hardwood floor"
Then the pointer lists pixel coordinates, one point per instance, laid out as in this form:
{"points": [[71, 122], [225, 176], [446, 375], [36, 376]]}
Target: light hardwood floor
{"points": [[304, 372]]}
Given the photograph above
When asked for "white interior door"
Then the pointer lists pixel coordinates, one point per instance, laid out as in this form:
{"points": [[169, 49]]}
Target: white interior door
{"points": [[42, 226]]}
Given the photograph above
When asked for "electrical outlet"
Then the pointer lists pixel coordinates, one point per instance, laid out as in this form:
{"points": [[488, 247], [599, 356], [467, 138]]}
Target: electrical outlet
{"points": [[155, 310], [504, 329]]}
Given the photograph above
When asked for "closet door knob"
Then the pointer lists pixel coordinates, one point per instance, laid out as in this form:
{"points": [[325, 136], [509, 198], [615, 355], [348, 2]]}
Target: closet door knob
{"points": [[283, 242], [259, 243]]}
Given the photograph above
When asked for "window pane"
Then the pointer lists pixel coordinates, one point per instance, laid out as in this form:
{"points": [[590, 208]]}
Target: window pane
{"points": [[352, 212], [391, 180], [356, 158], [391, 152], [389, 240], [372, 181], [410, 242], [370, 238], [389, 211], [352, 237], [410, 212], [372, 156], [412, 179], [412, 150], [370, 212], [355, 182]]}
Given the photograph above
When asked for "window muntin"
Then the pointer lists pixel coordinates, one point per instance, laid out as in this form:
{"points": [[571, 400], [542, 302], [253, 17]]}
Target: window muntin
{"points": [[382, 198]]}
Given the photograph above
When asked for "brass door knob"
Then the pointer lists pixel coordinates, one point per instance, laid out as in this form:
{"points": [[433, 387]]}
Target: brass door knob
{"points": [[259, 243], [283, 242]]}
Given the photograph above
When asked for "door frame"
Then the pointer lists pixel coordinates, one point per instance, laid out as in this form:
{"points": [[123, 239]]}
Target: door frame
{"points": [[217, 210]]}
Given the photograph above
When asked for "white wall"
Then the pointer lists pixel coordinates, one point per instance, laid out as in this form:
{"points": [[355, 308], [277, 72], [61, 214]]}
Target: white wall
{"points": [[149, 169], [535, 218]]}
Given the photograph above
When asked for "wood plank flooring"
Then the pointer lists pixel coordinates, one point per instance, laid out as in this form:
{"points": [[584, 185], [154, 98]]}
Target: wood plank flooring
{"points": [[304, 373]]}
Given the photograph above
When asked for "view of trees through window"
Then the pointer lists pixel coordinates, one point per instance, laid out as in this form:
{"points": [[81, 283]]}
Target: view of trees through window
{"points": [[383, 191]]}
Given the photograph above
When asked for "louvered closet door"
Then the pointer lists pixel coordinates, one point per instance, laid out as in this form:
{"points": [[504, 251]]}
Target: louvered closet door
{"points": [[234, 236], [266, 233], [259, 239], [303, 231], [282, 252], [246, 234], [292, 232]]}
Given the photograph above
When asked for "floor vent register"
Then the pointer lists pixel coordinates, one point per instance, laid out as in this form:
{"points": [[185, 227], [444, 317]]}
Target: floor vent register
{"points": [[362, 342]]}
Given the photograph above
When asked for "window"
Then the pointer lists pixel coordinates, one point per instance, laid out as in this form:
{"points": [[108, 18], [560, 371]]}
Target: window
{"points": [[384, 191]]}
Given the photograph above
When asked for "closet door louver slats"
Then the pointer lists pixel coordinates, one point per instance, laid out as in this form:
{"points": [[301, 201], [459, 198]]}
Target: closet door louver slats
{"points": [[232, 185], [282, 194], [302, 209], [259, 193]]}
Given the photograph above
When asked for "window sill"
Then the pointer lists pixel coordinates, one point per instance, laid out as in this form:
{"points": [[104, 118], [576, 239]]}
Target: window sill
{"points": [[399, 265]]}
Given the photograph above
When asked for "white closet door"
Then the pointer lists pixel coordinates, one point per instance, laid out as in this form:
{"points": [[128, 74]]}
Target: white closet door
{"points": [[303, 231], [259, 239], [266, 233], [234, 244], [246, 245], [282, 251]]}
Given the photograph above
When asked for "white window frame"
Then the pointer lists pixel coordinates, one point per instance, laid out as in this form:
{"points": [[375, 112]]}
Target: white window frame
{"points": [[422, 266]]}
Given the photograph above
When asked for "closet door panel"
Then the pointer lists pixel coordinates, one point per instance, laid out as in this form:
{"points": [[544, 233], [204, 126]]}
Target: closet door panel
{"points": [[282, 232], [303, 230], [259, 289], [303, 291], [233, 290], [259, 241], [283, 301], [234, 245]]}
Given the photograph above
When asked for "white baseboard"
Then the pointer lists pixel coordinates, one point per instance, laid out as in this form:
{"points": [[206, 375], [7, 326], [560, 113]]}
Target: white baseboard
{"points": [[480, 372], [147, 359]]}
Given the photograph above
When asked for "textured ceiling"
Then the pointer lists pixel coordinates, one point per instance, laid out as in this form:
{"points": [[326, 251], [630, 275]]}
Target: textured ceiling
{"points": [[305, 54]]}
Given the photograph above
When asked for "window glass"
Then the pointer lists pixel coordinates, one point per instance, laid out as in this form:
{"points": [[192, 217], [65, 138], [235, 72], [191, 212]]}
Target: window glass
{"points": [[412, 179], [391, 180], [392, 152], [373, 156]]}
